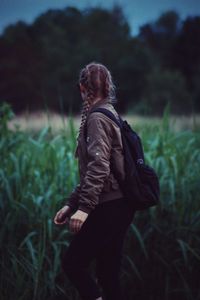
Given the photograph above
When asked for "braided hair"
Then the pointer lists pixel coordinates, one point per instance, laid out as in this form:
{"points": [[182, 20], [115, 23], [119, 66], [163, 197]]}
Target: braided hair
{"points": [[97, 80]]}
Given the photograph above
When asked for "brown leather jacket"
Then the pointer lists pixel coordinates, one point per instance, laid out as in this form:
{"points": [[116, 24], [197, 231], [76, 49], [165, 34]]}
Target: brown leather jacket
{"points": [[103, 143]]}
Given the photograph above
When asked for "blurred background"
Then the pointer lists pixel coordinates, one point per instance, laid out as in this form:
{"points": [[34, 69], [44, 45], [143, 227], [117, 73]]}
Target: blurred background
{"points": [[152, 49]]}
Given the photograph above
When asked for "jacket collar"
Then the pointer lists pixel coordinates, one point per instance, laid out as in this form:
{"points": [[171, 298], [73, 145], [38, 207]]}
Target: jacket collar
{"points": [[99, 103]]}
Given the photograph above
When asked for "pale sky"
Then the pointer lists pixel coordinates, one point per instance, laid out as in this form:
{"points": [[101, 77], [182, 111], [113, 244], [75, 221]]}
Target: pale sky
{"points": [[138, 12]]}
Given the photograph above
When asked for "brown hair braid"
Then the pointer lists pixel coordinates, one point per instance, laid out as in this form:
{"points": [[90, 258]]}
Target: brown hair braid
{"points": [[97, 80]]}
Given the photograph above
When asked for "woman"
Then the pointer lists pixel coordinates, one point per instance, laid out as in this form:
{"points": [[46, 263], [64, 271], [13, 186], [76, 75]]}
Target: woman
{"points": [[97, 212]]}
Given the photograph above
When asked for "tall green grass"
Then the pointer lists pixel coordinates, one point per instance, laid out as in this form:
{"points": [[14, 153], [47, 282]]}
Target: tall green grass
{"points": [[161, 258]]}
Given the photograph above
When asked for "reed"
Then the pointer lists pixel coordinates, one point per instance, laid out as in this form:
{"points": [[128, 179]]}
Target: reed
{"points": [[161, 258]]}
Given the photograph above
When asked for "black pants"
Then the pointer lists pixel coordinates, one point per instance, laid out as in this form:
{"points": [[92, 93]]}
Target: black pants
{"points": [[101, 237]]}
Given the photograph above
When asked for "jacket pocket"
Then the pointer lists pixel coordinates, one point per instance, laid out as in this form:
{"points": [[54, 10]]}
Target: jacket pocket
{"points": [[115, 184], [107, 186], [110, 184]]}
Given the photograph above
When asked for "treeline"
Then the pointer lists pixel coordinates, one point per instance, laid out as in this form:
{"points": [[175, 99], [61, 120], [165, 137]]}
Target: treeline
{"points": [[40, 63]]}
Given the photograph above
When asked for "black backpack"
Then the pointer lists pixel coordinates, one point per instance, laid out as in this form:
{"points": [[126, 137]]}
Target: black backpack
{"points": [[141, 185]]}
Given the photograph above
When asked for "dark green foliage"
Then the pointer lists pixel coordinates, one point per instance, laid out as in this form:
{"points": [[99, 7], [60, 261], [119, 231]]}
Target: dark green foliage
{"points": [[40, 62], [161, 258]]}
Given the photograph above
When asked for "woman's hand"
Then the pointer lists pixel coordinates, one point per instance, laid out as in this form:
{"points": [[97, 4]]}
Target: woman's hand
{"points": [[62, 215], [77, 220]]}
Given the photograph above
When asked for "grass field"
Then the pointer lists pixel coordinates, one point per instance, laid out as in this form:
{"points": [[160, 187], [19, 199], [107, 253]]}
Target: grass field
{"points": [[161, 258], [38, 120]]}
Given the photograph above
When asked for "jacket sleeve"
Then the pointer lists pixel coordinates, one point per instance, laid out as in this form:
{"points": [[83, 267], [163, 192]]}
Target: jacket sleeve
{"points": [[72, 200], [99, 144]]}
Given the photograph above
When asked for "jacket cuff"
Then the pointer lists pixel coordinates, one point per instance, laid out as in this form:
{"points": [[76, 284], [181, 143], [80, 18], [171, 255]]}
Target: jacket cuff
{"points": [[72, 207], [84, 208]]}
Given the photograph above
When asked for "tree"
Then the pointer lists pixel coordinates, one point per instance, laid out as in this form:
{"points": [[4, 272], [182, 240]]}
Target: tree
{"points": [[163, 87], [160, 36]]}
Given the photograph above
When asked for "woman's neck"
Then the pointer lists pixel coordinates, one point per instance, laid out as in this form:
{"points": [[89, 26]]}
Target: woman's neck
{"points": [[99, 99]]}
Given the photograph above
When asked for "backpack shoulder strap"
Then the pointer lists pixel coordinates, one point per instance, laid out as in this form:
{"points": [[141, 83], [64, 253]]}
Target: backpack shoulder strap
{"points": [[108, 113]]}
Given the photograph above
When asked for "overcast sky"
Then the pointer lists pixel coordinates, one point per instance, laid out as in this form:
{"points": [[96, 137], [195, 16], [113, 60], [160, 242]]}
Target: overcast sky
{"points": [[138, 12]]}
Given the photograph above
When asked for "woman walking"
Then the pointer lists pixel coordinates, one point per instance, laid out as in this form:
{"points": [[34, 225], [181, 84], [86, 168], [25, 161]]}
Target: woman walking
{"points": [[96, 210]]}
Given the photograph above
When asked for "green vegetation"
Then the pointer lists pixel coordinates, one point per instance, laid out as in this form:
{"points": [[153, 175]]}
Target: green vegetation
{"points": [[161, 258]]}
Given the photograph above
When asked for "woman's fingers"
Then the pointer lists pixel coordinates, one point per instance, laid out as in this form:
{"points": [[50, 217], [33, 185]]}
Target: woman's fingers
{"points": [[61, 218], [55, 218], [77, 220], [75, 225], [72, 225]]}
